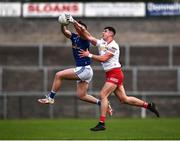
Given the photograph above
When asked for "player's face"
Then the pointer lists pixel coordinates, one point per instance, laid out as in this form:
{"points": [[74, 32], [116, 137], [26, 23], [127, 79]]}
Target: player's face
{"points": [[106, 33]]}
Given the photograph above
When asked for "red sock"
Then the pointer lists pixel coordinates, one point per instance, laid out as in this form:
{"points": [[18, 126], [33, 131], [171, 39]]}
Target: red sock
{"points": [[102, 119], [145, 105]]}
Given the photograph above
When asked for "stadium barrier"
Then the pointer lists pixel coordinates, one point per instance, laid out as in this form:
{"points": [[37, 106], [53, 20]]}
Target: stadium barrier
{"points": [[26, 74]]}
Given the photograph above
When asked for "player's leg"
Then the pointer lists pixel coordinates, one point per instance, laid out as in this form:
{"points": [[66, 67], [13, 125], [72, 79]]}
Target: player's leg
{"points": [[85, 73], [131, 100], [121, 94], [107, 89], [67, 74], [82, 87]]}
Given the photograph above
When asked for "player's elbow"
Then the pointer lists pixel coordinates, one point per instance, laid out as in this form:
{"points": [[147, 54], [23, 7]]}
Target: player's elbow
{"points": [[104, 59]]}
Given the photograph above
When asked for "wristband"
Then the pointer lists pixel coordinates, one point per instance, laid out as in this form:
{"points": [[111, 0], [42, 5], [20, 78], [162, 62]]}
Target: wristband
{"points": [[90, 55]]}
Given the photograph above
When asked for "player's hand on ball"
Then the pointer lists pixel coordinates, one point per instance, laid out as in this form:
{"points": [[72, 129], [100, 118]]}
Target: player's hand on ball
{"points": [[69, 18], [63, 20]]}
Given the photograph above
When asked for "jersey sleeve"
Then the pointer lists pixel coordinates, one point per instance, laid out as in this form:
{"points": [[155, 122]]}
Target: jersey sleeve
{"points": [[112, 50], [99, 43]]}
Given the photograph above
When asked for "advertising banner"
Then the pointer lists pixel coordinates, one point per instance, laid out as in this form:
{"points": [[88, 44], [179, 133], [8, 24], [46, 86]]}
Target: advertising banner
{"points": [[163, 9], [51, 9], [10, 9], [116, 9]]}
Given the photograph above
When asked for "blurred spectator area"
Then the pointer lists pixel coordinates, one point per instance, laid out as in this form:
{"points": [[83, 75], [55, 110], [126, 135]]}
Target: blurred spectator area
{"points": [[164, 30]]}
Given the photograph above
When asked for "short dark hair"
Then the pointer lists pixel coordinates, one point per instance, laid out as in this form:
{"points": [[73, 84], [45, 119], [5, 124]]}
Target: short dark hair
{"points": [[80, 22], [111, 29]]}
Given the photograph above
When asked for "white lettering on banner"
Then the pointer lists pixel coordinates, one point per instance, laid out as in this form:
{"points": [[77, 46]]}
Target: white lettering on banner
{"points": [[51, 9], [116, 9], [163, 9], [8, 9], [163, 6]]}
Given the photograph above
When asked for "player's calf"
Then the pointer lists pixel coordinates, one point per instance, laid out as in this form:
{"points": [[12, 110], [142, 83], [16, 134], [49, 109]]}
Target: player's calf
{"points": [[109, 110]]}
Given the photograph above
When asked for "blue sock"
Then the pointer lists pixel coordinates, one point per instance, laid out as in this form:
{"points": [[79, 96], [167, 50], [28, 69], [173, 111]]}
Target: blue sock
{"points": [[52, 94]]}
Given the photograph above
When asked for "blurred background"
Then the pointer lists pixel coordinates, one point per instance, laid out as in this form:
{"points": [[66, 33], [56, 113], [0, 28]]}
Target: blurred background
{"points": [[33, 49]]}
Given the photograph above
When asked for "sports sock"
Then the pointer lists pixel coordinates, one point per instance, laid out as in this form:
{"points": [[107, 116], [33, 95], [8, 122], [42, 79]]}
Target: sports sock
{"points": [[52, 94], [102, 123], [98, 102], [102, 119], [145, 105]]}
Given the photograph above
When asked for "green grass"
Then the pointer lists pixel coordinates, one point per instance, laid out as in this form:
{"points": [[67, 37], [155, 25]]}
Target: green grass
{"points": [[119, 129]]}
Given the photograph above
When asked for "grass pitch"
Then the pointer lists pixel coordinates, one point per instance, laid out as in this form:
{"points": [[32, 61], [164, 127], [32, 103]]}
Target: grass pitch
{"points": [[78, 129]]}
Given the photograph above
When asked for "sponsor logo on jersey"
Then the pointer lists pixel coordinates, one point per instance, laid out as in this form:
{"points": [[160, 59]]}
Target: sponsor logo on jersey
{"points": [[112, 49]]}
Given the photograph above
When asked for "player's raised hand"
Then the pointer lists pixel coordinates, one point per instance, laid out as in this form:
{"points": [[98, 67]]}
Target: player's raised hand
{"points": [[69, 18]]}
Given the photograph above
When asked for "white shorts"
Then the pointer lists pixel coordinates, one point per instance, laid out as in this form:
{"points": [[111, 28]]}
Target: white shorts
{"points": [[85, 73]]}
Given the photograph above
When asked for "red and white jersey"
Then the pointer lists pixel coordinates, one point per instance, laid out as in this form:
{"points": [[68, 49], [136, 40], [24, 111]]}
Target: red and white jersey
{"points": [[112, 48]]}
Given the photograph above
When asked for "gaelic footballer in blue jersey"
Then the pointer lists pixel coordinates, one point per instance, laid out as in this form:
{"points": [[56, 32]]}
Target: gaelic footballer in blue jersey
{"points": [[82, 72]]}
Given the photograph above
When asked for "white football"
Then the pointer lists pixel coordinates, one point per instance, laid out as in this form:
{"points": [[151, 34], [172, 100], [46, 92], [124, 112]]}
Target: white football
{"points": [[62, 19]]}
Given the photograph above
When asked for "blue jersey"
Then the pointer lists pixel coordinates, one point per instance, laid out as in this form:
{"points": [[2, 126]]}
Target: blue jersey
{"points": [[77, 44]]}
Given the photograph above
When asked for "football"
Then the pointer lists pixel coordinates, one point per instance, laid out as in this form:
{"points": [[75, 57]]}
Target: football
{"points": [[62, 19]]}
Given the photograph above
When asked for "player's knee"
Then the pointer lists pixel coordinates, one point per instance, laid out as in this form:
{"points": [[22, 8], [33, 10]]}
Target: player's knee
{"points": [[102, 96], [81, 95], [58, 75], [124, 99]]}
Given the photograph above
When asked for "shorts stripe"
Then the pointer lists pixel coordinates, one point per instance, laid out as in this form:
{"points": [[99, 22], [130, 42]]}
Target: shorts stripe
{"points": [[84, 73], [80, 71]]}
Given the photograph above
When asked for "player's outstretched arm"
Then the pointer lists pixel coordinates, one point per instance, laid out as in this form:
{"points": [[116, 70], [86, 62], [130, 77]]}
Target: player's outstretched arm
{"points": [[84, 32], [100, 58], [65, 31], [79, 28], [62, 20]]}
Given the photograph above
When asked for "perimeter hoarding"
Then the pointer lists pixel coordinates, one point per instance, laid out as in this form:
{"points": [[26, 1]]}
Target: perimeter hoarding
{"points": [[52, 9], [8, 9], [115, 9], [163, 9]]}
